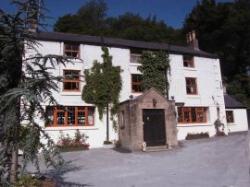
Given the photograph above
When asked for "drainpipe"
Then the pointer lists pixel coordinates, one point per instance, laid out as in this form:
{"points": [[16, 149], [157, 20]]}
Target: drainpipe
{"points": [[107, 122]]}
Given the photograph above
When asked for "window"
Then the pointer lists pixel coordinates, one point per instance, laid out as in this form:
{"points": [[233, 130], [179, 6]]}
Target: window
{"points": [[230, 116], [71, 80], [191, 86], [188, 61], [71, 50], [192, 114], [135, 58], [60, 116], [136, 83]]}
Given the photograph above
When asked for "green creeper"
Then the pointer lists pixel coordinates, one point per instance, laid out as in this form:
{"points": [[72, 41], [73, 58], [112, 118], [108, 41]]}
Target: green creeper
{"points": [[103, 86], [154, 68]]}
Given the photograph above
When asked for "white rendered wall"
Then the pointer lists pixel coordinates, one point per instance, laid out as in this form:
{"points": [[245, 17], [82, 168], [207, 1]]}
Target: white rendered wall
{"points": [[210, 92], [207, 72], [240, 121]]}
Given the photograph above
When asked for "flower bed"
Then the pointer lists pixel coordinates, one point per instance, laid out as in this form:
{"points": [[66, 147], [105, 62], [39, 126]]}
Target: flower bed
{"points": [[197, 136], [68, 144]]}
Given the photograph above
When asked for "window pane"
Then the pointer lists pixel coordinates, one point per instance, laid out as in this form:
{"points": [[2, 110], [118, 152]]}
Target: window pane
{"points": [[60, 118], [81, 118], [188, 61], [90, 116], [136, 83], [71, 115], [193, 114], [71, 50]]}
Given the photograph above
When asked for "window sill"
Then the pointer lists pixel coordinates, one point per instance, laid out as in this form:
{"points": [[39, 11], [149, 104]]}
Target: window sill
{"points": [[193, 96], [134, 64], [70, 128], [71, 93], [193, 124], [231, 124], [189, 69]]}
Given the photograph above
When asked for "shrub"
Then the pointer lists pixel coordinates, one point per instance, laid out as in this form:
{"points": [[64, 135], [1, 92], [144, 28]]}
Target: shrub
{"points": [[66, 143]]}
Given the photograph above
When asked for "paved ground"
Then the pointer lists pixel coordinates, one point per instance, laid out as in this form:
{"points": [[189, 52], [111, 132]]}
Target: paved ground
{"points": [[216, 162]]}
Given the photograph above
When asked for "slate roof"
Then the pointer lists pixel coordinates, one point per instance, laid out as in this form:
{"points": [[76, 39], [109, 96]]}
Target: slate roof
{"points": [[231, 102], [121, 43]]}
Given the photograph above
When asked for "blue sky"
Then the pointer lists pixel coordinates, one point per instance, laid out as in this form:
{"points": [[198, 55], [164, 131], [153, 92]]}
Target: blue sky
{"points": [[173, 12]]}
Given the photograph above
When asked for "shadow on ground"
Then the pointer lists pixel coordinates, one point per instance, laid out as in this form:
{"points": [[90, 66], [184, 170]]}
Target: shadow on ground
{"points": [[57, 175]]}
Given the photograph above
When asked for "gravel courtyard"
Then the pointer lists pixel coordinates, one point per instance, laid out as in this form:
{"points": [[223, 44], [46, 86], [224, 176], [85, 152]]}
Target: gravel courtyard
{"points": [[215, 162]]}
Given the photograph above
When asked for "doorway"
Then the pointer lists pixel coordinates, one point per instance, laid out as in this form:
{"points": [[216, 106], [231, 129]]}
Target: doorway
{"points": [[154, 127]]}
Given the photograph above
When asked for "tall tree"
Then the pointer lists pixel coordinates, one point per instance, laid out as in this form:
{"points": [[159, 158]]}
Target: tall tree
{"points": [[103, 86], [224, 28], [25, 84], [91, 19], [154, 68]]}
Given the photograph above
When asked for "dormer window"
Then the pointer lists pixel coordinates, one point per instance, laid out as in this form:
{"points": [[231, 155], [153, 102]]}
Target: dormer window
{"points": [[71, 50], [188, 61]]}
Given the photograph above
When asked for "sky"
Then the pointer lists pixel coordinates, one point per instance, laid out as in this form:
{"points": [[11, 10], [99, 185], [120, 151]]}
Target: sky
{"points": [[173, 12]]}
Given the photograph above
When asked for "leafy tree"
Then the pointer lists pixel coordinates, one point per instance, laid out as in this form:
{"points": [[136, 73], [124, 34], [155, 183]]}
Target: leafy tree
{"points": [[154, 68], [224, 28], [26, 83], [91, 19], [103, 86]]}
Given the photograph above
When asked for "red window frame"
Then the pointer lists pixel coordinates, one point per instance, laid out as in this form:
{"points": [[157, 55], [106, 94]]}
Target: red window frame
{"points": [[188, 61], [191, 86], [230, 116], [192, 114], [63, 114], [72, 50], [69, 80], [136, 83]]}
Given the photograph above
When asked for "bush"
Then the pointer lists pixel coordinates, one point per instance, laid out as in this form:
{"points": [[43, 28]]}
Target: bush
{"points": [[197, 136], [66, 143]]}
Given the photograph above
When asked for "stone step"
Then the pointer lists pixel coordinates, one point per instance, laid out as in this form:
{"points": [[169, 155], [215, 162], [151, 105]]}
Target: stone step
{"points": [[156, 148]]}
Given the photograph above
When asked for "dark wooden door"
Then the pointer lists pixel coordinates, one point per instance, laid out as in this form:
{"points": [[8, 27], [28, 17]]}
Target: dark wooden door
{"points": [[154, 127]]}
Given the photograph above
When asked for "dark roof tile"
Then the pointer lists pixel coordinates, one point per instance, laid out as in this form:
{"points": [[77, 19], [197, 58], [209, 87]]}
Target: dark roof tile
{"points": [[231, 102], [116, 42]]}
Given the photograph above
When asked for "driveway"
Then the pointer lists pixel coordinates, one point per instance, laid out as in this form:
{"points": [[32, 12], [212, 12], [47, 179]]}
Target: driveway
{"points": [[215, 162]]}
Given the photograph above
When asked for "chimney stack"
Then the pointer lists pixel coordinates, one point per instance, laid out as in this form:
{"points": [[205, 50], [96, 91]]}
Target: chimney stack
{"points": [[192, 40]]}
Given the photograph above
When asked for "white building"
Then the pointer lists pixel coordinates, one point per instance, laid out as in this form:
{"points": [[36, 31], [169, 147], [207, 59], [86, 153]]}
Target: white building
{"points": [[195, 84]]}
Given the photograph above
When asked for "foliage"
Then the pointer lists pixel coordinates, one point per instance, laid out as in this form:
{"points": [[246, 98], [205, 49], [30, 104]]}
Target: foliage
{"points": [[103, 84], [26, 83], [27, 181], [91, 19], [154, 68], [68, 143], [224, 28]]}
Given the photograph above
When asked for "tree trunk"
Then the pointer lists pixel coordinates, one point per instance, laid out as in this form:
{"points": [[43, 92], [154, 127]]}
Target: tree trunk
{"points": [[107, 122], [14, 165]]}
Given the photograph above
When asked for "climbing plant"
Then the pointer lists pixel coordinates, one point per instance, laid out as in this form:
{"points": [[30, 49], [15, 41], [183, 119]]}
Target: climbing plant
{"points": [[154, 68], [103, 86]]}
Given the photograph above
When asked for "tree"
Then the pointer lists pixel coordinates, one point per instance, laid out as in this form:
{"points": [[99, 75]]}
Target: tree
{"points": [[103, 86], [154, 68], [224, 29], [91, 19], [26, 83]]}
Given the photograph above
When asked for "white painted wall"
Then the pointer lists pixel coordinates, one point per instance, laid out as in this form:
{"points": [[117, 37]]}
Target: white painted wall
{"points": [[207, 72], [240, 120]]}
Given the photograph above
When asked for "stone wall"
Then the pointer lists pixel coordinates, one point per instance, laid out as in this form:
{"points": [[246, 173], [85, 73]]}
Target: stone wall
{"points": [[131, 120]]}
